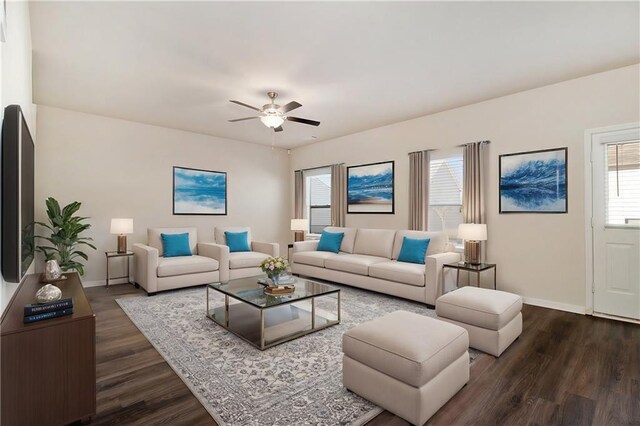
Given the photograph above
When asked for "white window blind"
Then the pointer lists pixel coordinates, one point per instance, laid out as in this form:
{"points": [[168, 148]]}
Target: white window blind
{"points": [[622, 184], [318, 190], [445, 191]]}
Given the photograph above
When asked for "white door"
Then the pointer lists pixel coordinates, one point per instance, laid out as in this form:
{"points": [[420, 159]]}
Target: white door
{"points": [[615, 174]]}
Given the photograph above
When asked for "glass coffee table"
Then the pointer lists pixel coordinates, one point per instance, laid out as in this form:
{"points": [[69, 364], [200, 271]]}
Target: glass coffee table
{"points": [[242, 307]]}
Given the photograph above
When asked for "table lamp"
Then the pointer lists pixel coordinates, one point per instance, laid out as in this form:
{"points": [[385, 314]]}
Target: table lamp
{"points": [[300, 226], [122, 226], [472, 234]]}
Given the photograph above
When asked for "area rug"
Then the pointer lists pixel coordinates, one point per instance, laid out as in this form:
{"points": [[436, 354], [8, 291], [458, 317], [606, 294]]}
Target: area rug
{"points": [[295, 383]]}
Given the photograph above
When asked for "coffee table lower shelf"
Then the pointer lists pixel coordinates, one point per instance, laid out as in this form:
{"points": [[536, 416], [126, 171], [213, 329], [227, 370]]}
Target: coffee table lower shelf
{"points": [[274, 325]]}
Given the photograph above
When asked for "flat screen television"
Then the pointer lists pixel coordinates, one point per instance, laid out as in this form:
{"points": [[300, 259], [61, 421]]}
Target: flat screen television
{"points": [[17, 195]]}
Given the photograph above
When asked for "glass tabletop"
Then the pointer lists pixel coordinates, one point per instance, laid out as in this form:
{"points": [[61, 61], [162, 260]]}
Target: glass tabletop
{"points": [[248, 290], [471, 266]]}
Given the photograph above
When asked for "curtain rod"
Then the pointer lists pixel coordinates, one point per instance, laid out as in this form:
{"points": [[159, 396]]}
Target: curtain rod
{"points": [[465, 144], [422, 150], [318, 167]]}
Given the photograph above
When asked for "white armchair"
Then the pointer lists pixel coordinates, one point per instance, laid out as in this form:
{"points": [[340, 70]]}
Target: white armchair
{"points": [[208, 263], [246, 263]]}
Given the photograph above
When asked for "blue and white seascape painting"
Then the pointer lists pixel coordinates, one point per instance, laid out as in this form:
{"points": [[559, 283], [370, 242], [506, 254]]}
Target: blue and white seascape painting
{"points": [[199, 192], [370, 188], [534, 182]]}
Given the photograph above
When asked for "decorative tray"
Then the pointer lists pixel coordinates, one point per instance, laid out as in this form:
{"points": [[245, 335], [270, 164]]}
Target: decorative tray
{"points": [[43, 280], [283, 289]]}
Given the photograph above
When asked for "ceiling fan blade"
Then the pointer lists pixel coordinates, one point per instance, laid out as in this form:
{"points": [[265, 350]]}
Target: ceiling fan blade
{"points": [[290, 107], [304, 121], [245, 105], [278, 129], [241, 119]]}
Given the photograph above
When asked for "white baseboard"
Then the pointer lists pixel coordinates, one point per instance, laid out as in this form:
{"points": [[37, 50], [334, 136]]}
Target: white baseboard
{"points": [[101, 283], [576, 309]]}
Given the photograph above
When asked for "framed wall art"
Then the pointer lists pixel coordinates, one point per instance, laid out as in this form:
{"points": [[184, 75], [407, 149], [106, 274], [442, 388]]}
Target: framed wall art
{"points": [[199, 192], [370, 188], [533, 182]]}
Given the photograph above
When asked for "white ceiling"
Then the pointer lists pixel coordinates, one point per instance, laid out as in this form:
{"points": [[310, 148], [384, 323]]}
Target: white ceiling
{"points": [[353, 66]]}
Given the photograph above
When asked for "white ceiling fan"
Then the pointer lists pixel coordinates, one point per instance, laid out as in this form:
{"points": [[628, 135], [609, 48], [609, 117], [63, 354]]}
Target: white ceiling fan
{"points": [[273, 115]]}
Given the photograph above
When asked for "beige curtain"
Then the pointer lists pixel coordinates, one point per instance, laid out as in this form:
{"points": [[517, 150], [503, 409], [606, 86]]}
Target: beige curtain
{"points": [[473, 187], [474, 172], [299, 196], [338, 194], [419, 190]]}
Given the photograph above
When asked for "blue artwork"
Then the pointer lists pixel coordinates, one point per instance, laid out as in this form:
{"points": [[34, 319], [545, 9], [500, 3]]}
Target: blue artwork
{"points": [[534, 182], [370, 188], [199, 192]]}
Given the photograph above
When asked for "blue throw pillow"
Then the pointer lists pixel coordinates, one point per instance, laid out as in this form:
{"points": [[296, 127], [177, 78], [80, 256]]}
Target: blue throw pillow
{"points": [[330, 241], [413, 250], [175, 245], [237, 241]]}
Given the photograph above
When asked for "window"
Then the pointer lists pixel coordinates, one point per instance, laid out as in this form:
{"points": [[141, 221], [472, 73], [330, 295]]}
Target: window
{"points": [[622, 186], [318, 198], [445, 192]]}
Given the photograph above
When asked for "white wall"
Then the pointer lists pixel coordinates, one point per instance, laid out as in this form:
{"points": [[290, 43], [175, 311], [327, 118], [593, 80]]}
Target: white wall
{"points": [[15, 85], [119, 168], [538, 256]]}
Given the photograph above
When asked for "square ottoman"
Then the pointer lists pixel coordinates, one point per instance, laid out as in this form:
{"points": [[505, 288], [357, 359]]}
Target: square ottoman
{"points": [[492, 318], [406, 363]]}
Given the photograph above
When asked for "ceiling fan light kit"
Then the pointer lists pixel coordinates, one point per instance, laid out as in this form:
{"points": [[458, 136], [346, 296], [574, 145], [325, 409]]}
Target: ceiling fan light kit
{"points": [[273, 115]]}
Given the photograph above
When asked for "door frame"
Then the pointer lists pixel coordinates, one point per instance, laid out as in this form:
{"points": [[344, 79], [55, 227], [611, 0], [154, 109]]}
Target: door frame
{"points": [[589, 136]]}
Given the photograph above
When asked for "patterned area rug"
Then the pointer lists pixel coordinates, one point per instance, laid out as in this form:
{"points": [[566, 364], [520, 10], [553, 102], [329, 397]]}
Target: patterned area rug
{"points": [[295, 383]]}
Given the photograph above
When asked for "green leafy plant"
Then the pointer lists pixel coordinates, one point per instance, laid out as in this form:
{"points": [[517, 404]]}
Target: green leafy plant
{"points": [[65, 237]]}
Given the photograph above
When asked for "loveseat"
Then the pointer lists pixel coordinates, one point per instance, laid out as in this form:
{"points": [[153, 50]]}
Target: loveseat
{"points": [[209, 262], [368, 258], [246, 263]]}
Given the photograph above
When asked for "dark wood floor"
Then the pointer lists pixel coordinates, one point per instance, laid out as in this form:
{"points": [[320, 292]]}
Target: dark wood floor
{"points": [[564, 369]]}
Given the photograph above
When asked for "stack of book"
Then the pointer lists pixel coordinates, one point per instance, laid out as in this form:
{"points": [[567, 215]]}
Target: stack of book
{"points": [[39, 312]]}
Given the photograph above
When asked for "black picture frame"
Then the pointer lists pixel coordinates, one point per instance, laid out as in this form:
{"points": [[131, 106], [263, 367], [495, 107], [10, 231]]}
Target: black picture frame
{"points": [[180, 207], [360, 207], [532, 197]]}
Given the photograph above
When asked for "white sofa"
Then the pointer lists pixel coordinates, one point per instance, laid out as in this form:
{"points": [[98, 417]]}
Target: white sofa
{"points": [[368, 259], [208, 263], [246, 263]]}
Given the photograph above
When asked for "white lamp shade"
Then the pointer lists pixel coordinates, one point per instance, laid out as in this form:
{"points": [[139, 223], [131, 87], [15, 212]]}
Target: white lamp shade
{"points": [[472, 231], [272, 121], [122, 226], [299, 224]]}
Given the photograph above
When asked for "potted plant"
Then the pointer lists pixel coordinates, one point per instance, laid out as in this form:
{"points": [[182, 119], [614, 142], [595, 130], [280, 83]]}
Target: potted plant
{"points": [[274, 267], [65, 239]]}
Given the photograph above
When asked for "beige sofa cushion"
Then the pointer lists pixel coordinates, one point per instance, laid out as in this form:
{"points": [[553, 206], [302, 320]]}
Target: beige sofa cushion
{"points": [[155, 240], [406, 346], [313, 258], [375, 242], [246, 259], [482, 307], [349, 237], [401, 272], [436, 245], [182, 265], [354, 263], [218, 233]]}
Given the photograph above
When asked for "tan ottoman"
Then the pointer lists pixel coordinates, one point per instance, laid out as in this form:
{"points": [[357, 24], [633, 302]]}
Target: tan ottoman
{"points": [[492, 318], [406, 363]]}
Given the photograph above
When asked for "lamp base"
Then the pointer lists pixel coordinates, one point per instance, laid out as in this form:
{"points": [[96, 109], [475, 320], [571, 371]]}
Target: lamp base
{"points": [[122, 243], [298, 236], [472, 252]]}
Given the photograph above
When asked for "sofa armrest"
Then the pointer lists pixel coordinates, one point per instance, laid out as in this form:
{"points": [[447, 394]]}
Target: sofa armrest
{"points": [[433, 272], [220, 253], [309, 245], [145, 272], [272, 249]]}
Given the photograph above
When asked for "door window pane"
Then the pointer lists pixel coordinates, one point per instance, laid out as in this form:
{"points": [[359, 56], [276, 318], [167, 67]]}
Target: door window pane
{"points": [[622, 184]]}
